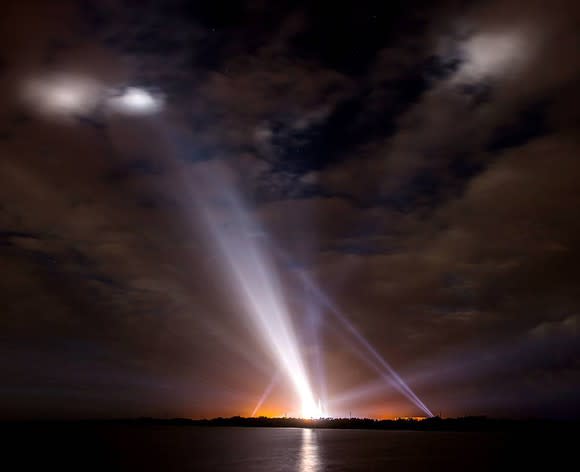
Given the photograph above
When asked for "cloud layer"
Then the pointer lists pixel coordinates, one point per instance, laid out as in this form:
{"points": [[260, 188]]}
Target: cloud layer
{"points": [[421, 164]]}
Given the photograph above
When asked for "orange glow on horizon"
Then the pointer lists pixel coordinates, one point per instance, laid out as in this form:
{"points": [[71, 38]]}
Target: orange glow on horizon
{"points": [[278, 408]]}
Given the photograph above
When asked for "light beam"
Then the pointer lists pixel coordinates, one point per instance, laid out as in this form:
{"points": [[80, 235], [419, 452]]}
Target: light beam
{"points": [[256, 282], [266, 393], [376, 360]]}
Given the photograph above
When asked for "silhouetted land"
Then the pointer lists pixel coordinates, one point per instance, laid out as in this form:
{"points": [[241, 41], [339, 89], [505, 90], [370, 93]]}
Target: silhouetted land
{"points": [[468, 423]]}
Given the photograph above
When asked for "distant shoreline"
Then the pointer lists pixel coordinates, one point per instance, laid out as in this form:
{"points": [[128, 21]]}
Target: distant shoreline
{"points": [[473, 423]]}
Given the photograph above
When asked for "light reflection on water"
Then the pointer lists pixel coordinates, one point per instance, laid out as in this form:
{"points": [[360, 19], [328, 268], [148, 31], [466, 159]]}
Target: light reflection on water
{"points": [[309, 457], [201, 449]]}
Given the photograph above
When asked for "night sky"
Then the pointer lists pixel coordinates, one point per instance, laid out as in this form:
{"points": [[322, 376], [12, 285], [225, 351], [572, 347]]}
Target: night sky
{"points": [[415, 165]]}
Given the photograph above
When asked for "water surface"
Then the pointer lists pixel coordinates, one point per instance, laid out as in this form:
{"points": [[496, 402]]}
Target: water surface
{"points": [[188, 448]]}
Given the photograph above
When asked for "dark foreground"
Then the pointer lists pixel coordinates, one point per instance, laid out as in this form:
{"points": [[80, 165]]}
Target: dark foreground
{"points": [[109, 446]]}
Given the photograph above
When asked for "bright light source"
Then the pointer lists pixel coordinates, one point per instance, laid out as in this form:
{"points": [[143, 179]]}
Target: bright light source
{"points": [[137, 101], [311, 410]]}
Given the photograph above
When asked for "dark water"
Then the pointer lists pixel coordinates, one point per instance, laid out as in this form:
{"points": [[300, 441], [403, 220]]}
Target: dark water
{"points": [[175, 448]]}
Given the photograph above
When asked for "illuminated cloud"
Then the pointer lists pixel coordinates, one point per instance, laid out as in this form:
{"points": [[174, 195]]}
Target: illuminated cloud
{"points": [[136, 101], [489, 55], [62, 96], [66, 96]]}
